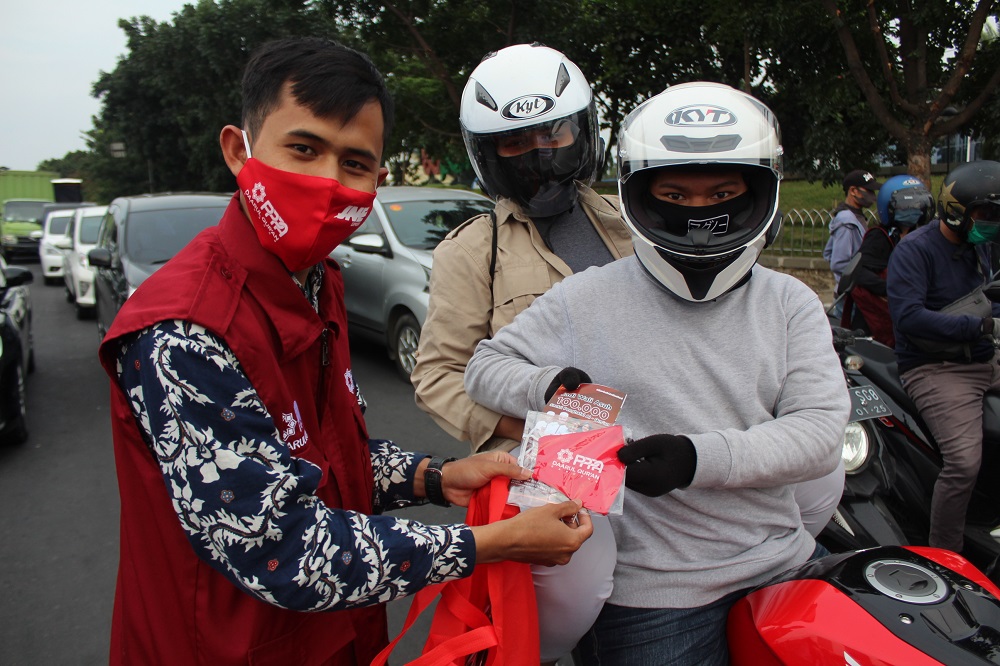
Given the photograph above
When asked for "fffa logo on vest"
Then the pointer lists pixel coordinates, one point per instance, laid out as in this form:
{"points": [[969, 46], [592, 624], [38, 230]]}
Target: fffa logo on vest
{"points": [[290, 433]]}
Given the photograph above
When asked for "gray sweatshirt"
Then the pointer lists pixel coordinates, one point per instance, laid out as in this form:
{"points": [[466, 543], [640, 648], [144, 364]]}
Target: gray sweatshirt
{"points": [[752, 378]]}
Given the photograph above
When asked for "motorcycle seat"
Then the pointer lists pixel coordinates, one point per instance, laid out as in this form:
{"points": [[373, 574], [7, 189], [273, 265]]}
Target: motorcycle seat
{"points": [[881, 368]]}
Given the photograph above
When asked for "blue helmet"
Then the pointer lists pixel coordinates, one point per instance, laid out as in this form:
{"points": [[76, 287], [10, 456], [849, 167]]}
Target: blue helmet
{"points": [[904, 201]]}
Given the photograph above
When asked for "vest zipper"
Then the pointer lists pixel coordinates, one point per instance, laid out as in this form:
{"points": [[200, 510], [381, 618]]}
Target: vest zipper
{"points": [[325, 347]]}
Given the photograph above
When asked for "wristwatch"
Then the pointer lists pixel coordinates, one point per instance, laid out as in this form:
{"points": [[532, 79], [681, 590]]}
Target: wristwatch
{"points": [[432, 481]]}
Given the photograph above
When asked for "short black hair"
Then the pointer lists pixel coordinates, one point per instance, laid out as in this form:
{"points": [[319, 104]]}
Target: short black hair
{"points": [[326, 77]]}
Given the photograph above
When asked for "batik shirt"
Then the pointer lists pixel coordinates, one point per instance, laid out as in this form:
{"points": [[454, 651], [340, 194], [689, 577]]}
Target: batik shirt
{"points": [[247, 505]]}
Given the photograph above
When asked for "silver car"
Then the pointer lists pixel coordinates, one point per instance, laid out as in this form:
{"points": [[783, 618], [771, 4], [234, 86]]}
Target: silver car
{"points": [[386, 263]]}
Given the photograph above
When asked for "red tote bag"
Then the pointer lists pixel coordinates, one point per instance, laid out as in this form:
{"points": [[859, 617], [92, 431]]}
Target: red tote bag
{"points": [[489, 618]]}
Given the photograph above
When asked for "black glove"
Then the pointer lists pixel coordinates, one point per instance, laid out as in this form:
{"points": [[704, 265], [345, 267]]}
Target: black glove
{"points": [[571, 378], [657, 464]]}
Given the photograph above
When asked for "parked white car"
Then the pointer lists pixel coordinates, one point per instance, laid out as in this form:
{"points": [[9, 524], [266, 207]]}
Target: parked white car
{"points": [[49, 253], [79, 277]]}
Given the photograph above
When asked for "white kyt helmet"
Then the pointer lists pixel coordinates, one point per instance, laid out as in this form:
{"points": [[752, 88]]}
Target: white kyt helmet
{"points": [[700, 127], [531, 87]]}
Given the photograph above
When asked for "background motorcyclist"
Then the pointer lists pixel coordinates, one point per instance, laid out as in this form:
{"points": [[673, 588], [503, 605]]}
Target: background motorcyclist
{"points": [[947, 359], [848, 226], [903, 204]]}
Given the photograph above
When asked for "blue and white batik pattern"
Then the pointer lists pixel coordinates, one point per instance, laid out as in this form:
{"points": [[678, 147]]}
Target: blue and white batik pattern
{"points": [[248, 506]]}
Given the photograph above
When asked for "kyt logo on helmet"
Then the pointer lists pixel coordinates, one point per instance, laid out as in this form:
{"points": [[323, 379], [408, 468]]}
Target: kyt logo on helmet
{"points": [[700, 115], [529, 106]]}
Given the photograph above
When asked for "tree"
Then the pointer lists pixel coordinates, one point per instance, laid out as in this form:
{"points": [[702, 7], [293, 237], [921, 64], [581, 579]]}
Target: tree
{"points": [[427, 50], [983, 126], [180, 84], [912, 61]]}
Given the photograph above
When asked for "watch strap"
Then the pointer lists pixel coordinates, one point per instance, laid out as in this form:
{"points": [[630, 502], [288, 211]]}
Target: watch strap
{"points": [[433, 489]]}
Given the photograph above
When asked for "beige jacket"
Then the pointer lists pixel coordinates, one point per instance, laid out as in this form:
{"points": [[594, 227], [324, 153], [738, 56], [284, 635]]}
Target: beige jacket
{"points": [[461, 311]]}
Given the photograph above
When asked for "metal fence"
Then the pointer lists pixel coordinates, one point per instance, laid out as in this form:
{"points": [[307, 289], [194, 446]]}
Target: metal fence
{"points": [[804, 232]]}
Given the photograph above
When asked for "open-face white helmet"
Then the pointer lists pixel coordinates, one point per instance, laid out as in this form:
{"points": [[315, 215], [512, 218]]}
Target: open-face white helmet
{"points": [[700, 253], [530, 126]]}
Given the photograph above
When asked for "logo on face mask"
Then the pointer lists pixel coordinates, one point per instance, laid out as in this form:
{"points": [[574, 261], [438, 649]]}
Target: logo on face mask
{"points": [[700, 115], [717, 225], [578, 463], [269, 217], [354, 214], [528, 106]]}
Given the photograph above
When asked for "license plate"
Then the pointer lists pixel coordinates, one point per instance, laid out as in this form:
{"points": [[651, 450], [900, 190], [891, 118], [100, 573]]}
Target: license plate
{"points": [[867, 403]]}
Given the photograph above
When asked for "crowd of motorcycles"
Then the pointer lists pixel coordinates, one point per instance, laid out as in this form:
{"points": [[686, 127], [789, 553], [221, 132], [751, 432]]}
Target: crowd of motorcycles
{"points": [[884, 597]]}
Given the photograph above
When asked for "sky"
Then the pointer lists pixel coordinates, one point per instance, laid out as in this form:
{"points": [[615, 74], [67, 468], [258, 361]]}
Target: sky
{"points": [[51, 53]]}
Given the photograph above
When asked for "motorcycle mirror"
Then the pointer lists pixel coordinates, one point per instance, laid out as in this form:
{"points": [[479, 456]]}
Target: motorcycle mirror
{"points": [[850, 274], [992, 290]]}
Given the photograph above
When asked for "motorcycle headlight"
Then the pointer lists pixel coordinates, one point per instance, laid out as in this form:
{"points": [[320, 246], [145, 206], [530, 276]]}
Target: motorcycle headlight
{"points": [[855, 449], [854, 362]]}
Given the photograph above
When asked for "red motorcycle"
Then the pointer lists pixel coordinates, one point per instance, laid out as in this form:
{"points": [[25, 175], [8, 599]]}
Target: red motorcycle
{"points": [[886, 606]]}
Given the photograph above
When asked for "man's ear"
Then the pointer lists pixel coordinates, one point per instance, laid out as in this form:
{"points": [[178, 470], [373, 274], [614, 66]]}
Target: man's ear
{"points": [[382, 173], [233, 150]]}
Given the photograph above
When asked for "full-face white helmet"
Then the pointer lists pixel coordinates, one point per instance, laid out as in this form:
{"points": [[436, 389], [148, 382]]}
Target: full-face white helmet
{"points": [[700, 253], [530, 126]]}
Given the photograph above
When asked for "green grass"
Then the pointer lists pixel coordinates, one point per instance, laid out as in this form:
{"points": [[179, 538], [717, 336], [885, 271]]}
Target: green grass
{"points": [[803, 195]]}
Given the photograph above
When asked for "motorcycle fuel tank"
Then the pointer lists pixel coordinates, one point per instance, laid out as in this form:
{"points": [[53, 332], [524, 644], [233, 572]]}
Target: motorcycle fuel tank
{"points": [[887, 606]]}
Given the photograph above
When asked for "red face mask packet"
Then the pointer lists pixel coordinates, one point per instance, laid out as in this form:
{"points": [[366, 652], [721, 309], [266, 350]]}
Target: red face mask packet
{"points": [[583, 466]]}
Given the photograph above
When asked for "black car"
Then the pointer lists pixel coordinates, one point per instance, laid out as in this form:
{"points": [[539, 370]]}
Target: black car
{"points": [[17, 356], [138, 235]]}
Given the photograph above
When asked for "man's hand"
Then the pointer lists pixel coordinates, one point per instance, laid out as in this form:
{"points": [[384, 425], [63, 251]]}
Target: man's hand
{"points": [[509, 427], [990, 327], [657, 464], [547, 535], [570, 377], [459, 478]]}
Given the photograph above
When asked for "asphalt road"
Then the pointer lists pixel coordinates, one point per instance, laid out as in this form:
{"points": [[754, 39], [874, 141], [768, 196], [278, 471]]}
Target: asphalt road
{"points": [[59, 495]]}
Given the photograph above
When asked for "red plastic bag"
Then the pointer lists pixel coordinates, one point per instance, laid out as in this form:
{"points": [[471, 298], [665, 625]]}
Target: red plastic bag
{"points": [[583, 466], [489, 618]]}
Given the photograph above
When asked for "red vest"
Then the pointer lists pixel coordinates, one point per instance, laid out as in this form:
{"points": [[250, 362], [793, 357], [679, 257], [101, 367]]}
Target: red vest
{"points": [[171, 607]]}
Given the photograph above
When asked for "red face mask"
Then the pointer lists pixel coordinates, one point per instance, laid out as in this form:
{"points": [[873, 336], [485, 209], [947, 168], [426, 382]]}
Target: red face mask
{"points": [[300, 218]]}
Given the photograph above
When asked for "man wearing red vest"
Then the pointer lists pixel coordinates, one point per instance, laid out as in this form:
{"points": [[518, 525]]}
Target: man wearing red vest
{"points": [[251, 496]]}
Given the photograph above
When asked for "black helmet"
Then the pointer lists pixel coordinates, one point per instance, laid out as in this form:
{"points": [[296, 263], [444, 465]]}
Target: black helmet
{"points": [[968, 187]]}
